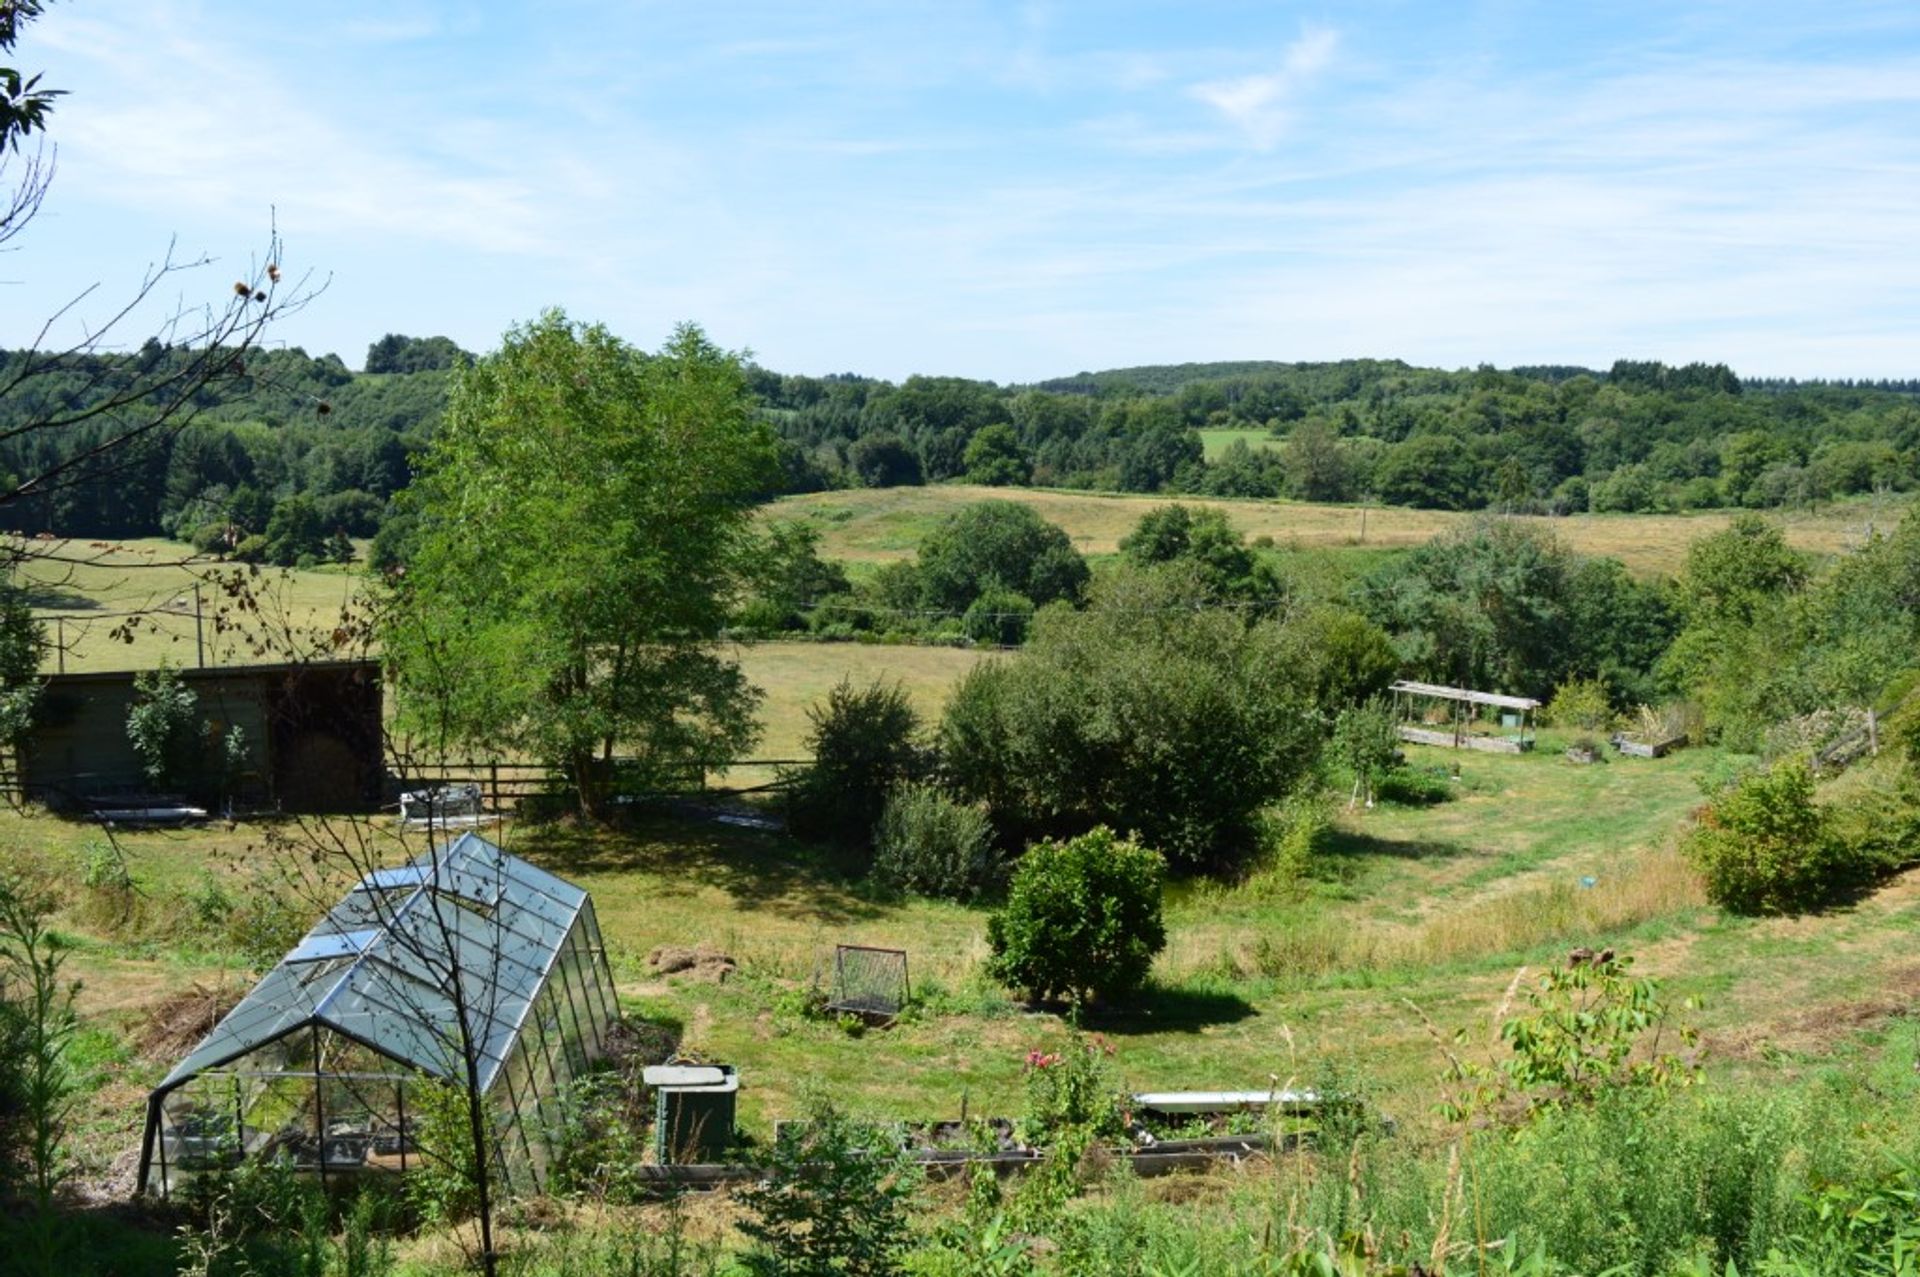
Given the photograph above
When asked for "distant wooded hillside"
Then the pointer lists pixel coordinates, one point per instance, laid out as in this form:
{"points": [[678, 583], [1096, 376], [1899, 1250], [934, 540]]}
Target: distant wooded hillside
{"points": [[305, 448]]}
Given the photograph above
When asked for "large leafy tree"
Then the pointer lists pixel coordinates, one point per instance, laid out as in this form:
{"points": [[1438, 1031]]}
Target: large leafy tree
{"points": [[1150, 712], [583, 528], [1207, 538], [1000, 544], [1481, 607]]}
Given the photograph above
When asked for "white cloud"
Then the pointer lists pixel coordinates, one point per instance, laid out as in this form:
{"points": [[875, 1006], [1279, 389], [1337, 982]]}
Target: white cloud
{"points": [[1261, 106]]}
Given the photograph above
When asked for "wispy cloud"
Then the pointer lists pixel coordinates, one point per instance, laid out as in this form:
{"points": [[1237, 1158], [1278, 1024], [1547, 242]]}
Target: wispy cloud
{"points": [[1005, 189], [1262, 106]]}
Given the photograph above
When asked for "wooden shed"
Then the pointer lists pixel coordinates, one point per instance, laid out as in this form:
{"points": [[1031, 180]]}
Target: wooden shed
{"points": [[310, 732]]}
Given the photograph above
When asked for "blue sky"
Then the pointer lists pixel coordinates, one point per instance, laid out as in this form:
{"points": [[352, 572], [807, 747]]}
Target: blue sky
{"points": [[1014, 191]]}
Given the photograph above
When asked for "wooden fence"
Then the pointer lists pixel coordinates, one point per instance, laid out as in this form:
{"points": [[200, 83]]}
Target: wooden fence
{"points": [[504, 784]]}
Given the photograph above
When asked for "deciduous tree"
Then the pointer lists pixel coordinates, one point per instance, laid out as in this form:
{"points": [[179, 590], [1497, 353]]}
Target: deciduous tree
{"points": [[583, 525]]}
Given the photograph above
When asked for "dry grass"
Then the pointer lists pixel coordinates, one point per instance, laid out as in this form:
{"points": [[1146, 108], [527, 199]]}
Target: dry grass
{"points": [[796, 676], [1531, 915], [885, 524], [1657, 884]]}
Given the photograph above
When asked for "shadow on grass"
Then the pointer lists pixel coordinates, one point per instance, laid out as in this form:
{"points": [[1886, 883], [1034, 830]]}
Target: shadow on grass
{"points": [[1170, 1009], [124, 1239], [761, 870], [58, 598], [1349, 842]]}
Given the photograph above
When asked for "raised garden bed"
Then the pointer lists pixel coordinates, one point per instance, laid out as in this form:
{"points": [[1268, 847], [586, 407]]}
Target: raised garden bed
{"points": [[1635, 745]]}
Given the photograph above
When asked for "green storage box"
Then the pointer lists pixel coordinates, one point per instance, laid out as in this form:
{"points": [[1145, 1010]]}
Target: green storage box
{"points": [[693, 1111]]}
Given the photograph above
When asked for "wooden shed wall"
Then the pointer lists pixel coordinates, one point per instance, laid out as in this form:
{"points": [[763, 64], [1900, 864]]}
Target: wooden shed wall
{"points": [[298, 724]]}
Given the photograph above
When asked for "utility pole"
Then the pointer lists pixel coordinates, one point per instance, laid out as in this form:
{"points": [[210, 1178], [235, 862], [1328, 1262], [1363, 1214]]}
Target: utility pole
{"points": [[199, 629]]}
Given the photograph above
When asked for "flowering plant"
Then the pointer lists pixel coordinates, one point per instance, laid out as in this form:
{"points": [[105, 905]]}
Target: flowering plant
{"points": [[1074, 1090]]}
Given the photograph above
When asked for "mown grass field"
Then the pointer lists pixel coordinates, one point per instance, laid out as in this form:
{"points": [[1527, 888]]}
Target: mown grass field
{"points": [[82, 589], [879, 525], [1415, 922], [797, 676], [83, 596]]}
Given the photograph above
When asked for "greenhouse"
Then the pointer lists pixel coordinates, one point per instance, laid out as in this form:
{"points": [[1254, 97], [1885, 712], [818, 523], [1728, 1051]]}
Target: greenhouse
{"points": [[349, 1055]]}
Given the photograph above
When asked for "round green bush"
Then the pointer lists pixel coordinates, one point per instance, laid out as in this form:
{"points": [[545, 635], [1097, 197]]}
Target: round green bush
{"points": [[1764, 846], [1082, 919], [929, 844]]}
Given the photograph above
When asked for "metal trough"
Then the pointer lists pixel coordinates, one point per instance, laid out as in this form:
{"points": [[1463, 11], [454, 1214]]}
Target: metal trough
{"points": [[1226, 1101]]}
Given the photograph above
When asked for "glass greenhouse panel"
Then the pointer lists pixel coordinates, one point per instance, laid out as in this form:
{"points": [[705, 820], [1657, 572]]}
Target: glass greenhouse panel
{"points": [[338, 1060]]}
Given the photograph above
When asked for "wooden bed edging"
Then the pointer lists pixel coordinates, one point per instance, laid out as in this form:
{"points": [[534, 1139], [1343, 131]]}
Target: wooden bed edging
{"points": [[1164, 1158]]}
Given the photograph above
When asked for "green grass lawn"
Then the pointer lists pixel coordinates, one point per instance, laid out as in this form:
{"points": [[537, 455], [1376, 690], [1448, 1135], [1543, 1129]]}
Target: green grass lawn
{"points": [[1413, 914]]}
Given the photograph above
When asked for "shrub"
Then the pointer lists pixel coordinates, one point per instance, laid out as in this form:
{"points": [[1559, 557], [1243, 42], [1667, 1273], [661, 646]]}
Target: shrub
{"points": [[930, 844], [1414, 787], [1365, 742], [1082, 919], [863, 743], [443, 1186], [163, 726], [1580, 703], [1293, 835], [1590, 1026], [251, 549], [1140, 713], [1343, 659], [1764, 846], [999, 617]]}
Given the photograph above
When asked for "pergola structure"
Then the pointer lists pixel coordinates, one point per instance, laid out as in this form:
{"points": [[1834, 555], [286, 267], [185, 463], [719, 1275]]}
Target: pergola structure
{"points": [[327, 1065], [1461, 728]]}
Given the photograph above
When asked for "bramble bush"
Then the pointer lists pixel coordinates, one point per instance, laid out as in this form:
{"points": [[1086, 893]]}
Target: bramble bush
{"points": [[1082, 919], [1414, 787], [929, 844]]}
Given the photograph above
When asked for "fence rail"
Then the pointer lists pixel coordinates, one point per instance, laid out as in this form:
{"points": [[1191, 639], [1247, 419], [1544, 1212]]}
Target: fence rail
{"points": [[505, 784]]}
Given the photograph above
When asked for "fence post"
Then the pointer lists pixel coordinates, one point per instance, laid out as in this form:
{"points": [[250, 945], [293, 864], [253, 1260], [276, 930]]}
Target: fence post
{"points": [[493, 781]]}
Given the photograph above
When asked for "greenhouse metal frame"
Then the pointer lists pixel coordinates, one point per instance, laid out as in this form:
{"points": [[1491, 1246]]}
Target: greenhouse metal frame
{"points": [[347, 1049]]}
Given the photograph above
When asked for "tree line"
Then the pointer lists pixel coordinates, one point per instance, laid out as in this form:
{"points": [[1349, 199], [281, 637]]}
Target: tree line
{"points": [[1639, 436]]}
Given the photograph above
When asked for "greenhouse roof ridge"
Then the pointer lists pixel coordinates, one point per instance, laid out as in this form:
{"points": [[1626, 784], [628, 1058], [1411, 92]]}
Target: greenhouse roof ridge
{"points": [[382, 971]]}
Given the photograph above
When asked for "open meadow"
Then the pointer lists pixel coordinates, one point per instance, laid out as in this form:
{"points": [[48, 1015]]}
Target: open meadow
{"points": [[882, 525], [87, 593], [84, 590], [1390, 952], [1414, 920], [1217, 439]]}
